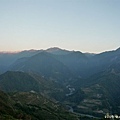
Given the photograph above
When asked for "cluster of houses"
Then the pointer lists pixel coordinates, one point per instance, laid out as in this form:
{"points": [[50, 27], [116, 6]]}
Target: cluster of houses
{"points": [[112, 116]]}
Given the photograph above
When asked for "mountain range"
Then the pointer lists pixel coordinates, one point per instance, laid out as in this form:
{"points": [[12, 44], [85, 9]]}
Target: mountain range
{"points": [[80, 64], [87, 83]]}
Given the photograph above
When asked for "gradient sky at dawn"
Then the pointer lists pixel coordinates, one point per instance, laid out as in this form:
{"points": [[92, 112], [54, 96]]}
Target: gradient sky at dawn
{"points": [[84, 25]]}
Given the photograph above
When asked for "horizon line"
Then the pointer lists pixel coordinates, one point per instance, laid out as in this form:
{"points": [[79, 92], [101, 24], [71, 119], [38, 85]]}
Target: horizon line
{"points": [[32, 49]]}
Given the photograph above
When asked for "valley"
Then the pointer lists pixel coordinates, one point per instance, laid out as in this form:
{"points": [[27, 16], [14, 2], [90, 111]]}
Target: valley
{"points": [[65, 85]]}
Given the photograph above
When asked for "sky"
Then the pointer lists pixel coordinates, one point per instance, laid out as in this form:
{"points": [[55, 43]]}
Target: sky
{"points": [[84, 25]]}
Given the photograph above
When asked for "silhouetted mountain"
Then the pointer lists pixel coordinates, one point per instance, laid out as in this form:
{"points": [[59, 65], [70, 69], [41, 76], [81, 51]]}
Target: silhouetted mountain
{"points": [[58, 51], [78, 63], [106, 59], [46, 65], [6, 59], [84, 66], [75, 61], [9, 58], [101, 62]]}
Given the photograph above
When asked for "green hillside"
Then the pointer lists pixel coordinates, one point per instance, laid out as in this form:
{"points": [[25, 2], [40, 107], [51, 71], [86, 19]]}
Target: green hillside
{"points": [[17, 81], [31, 106], [22, 82]]}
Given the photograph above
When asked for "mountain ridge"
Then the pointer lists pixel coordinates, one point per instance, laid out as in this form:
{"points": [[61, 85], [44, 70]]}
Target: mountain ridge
{"points": [[73, 78]]}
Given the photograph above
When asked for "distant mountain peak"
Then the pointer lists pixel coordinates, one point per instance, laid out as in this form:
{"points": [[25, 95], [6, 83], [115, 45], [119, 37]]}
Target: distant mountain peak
{"points": [[54, 49], [57, 51]]}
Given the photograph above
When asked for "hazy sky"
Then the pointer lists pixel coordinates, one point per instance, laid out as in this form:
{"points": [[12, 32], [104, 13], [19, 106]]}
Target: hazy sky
{"points": [[84, 25]]}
